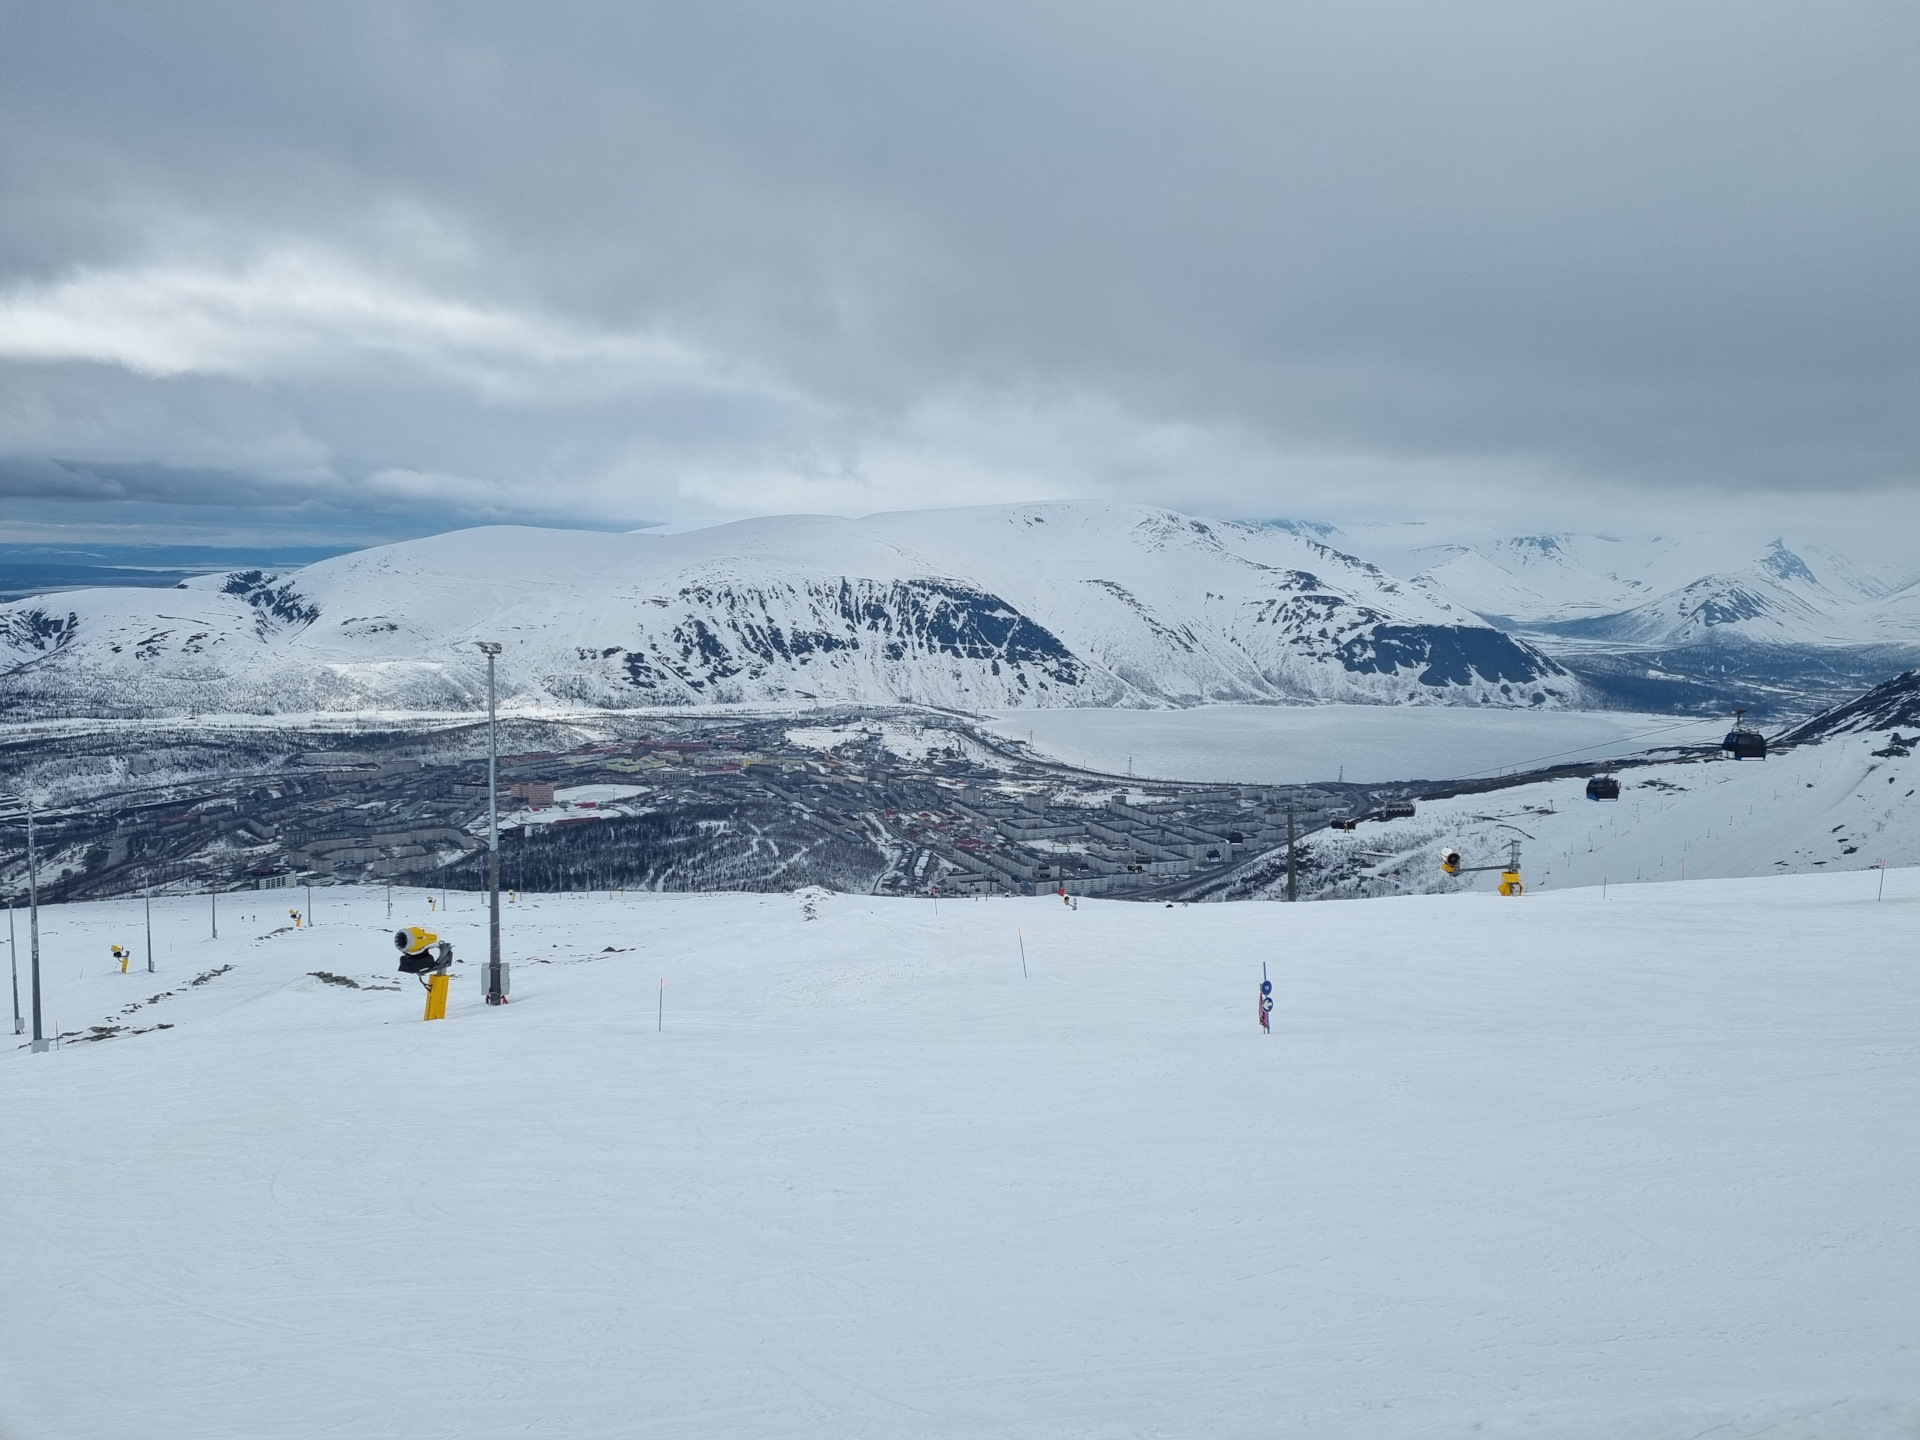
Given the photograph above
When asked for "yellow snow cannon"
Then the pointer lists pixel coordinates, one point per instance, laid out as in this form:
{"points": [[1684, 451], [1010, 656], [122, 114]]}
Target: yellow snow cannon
{"points": [[426, 955], [414, 941], [421, 951], [1509, 870]]}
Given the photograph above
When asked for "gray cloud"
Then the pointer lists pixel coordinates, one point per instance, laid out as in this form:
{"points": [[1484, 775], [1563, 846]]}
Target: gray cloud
{"points": [[614, 263]]}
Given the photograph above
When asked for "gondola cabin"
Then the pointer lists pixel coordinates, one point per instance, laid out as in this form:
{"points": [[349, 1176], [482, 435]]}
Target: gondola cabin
{"points": [[1742, 743], [1397, 810], [1603, 787]]}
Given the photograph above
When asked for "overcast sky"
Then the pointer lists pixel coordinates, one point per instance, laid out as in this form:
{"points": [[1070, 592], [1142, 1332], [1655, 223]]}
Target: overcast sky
{"points": [[366, 270]]}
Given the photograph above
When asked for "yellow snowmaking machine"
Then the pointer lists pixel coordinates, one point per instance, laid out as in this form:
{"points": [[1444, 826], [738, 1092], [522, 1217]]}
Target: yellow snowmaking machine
{"points": [[1510, 883]]}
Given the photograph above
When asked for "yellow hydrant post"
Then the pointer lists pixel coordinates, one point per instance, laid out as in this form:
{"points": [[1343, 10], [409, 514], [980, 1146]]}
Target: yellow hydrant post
{"points": [[436, 997]]}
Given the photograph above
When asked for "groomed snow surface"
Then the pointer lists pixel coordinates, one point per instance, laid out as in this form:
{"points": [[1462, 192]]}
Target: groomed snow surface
{"points": [[1556, 1166]]}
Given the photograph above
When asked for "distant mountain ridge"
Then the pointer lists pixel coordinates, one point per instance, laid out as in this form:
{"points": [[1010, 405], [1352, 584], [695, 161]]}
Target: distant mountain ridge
{"points": [[1670, 622], [1551, 581], [997, 607]]}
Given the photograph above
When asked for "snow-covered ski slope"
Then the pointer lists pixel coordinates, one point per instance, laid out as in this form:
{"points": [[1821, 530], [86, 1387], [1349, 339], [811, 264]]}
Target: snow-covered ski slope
{"points": [[1836, 805], [1560, 1166], [1008, 606]]}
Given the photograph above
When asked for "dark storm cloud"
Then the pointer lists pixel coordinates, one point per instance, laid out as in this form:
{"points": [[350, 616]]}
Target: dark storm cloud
{"points": [[622, 262]]}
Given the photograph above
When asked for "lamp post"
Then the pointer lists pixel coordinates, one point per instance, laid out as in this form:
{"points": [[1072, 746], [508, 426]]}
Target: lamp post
{"points": [[13, 964], [33, 930], [1293, 875], [491, 649]]}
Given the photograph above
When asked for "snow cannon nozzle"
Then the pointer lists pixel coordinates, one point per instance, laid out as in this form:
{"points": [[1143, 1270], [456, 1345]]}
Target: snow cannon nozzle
{"points": [[413, 940], [422, 952]]}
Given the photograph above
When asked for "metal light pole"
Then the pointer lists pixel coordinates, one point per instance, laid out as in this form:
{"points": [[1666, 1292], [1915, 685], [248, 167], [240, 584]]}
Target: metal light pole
{"points": [[33, 930], [491, 649], [1293, 875], [13, 964], [149, 903]]}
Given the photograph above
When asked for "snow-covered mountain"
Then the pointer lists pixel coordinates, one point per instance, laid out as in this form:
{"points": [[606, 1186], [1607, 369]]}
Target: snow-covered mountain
{"points": [[1648, 589], [1516, 580], [1686, 621], [1778, 599], [1892, 706], [1036, 605]]}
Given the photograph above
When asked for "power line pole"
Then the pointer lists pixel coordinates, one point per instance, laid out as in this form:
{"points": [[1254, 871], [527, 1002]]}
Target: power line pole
{"points": [[13, 964], [1293, 875], [33, 930], [149, 902], [491, 649]]}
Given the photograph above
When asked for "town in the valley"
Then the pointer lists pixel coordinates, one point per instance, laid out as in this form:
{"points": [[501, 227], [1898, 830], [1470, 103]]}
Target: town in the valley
{"points": [[898, 802]]}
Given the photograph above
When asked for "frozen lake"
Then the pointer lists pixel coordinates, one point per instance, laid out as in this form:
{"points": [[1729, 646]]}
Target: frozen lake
{"points": [[1285, 745]]}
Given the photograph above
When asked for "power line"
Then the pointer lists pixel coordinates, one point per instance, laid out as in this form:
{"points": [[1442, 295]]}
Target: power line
{"points": [[1582, 750]]}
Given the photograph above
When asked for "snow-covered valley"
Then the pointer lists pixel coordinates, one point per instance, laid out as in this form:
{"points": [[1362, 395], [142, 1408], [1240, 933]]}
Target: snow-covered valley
{"points": [[1558, 1166]]}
